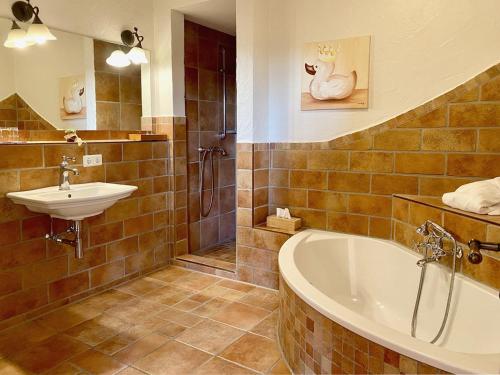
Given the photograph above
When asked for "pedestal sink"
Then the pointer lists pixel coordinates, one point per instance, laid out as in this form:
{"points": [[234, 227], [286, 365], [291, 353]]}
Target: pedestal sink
{"points": [[78, 203]]}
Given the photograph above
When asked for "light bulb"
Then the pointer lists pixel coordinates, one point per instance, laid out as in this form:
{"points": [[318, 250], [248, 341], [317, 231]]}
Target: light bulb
{"points": [[39, 33], [17, 37], [118, 59], [137, 56]]}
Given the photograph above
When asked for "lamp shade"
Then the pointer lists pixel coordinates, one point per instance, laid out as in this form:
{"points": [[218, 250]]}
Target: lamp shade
{"points": [[118, 59], [39, 33], [17, 37], [137, 56]]}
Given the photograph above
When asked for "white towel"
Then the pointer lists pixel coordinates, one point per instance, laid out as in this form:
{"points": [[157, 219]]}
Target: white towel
{"points": [[482, 197]]}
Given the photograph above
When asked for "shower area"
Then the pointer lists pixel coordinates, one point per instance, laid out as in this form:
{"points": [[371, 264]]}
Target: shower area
{"points": [[210, 71]]}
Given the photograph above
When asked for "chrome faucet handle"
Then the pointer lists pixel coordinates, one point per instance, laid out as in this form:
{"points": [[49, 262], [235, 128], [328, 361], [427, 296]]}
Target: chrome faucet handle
{"points": [[68, 158]]}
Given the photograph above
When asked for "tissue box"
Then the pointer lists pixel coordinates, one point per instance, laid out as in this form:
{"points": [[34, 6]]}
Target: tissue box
{"points": [[290, 225]]}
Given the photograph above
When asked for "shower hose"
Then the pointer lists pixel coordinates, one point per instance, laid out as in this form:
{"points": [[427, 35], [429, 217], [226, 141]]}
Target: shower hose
{"points": [[448, 302]]}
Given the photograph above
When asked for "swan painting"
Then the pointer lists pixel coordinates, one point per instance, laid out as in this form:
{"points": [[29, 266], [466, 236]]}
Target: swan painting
{"points": [[335, 74], [73, 98]]}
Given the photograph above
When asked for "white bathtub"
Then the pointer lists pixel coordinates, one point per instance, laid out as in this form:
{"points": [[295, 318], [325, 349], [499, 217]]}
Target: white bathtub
{"points": [[369, 287]]}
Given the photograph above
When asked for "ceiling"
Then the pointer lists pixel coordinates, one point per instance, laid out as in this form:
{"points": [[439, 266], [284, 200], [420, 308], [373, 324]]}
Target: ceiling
{"points": [[216, 14]]}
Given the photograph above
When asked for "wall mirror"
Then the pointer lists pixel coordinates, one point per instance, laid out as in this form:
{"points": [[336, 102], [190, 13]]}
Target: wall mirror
{"points": [[67, 84]]}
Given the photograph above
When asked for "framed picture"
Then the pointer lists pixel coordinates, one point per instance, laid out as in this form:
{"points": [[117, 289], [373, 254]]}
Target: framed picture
{"points": [[335, 74], [72, 97]]}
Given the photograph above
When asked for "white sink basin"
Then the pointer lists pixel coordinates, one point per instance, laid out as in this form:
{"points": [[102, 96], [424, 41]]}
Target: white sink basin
{"points": [[78, 203]]}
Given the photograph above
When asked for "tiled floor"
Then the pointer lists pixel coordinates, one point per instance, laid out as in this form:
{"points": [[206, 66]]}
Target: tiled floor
{"points": [[225, 252], [173, 321]]}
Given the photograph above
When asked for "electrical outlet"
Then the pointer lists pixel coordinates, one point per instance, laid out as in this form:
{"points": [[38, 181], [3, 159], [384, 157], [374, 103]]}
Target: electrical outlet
{"points": [[92, 160]]}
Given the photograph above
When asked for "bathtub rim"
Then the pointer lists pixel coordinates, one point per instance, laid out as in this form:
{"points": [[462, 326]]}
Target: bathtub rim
{"points": [[442, 358]]}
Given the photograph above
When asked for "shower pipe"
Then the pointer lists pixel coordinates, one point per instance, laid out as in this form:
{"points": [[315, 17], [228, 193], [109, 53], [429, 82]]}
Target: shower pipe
{"points": [[225, 132], [204, 152]]}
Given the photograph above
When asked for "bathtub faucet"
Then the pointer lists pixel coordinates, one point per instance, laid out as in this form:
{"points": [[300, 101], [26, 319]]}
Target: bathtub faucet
{"points": [[434, 235]]}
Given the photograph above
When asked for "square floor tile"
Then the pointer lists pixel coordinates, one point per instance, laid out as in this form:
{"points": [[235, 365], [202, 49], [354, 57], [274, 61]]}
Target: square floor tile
{"points": [[211, 307], [267, 327], [49, 353], [140, 348], [173, 358], [97, 363], [95, 331], [255, 352], [196, 281], [140, 287], [240, 315], [67, 317], [210, 336], [219, 366], [266, 299], [31, 332], [180, 317]]}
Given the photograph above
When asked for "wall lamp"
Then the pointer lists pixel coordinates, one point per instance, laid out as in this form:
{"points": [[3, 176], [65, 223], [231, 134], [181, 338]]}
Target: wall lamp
{"points": [[136, 55], [37, 32]]}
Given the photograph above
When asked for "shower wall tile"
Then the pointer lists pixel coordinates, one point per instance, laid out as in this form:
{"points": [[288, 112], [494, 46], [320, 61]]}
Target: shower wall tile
{"points": [[204, 116]]}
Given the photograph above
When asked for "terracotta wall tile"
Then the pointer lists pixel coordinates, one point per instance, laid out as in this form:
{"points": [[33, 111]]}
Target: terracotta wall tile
{"points": [[474, 165], [293, 159], [463, 228], [311, 218], [91, 258], [448, 140], [419, 213], [9, 181], [433, 119], [403, 140], [330, 201], [400, 209], [489, 140], [475, 115], [25, 156], [437, 186], [278, 177], [122, 172], [491, 90], [107, 273], [309, 179], [45, 271], [106, 233], [137, 151], [10, 282], [382, 162], [394, 184], [380, 228], [370, 205], [122, 210], [122, 248], [138, 225], [331, 160], [346, 223], [22, 253], [22, 301], [349, 182], [53, 154], [420, 163], [10, 232], [69, 286]]}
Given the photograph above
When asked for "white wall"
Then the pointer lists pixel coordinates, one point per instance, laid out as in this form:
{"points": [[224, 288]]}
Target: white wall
{"points": [[7, 81], [420, 49]]}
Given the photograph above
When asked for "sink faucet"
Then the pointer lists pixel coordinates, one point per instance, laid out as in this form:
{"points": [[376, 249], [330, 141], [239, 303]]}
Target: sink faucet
{"points": [[433, 241], [64, 172]]}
